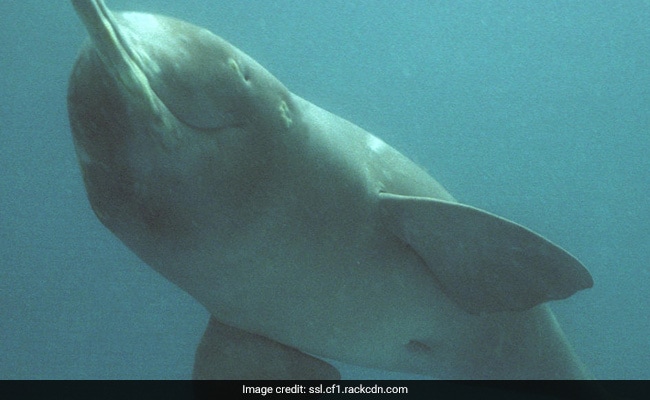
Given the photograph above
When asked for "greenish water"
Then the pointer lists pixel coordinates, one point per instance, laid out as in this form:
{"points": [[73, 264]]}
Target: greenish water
{"points": [[537, 111]]}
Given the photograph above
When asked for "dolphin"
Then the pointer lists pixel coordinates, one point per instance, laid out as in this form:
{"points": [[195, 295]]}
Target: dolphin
{"points": [[305, 237]]}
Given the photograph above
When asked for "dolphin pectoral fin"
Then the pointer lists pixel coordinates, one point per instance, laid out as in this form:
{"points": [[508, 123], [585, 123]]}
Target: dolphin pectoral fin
{"points": [[230, 353], [484, 263]]}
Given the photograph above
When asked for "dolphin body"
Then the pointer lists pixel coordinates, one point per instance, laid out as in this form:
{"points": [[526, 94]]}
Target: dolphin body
{"points": [[304, 236]]}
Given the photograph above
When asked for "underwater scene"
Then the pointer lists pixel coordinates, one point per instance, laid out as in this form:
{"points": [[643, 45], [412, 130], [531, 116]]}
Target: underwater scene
{"points": [[535, 111]]}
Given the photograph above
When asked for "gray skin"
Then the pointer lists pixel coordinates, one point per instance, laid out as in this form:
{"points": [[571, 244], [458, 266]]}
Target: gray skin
{"points": [[303, 235]]}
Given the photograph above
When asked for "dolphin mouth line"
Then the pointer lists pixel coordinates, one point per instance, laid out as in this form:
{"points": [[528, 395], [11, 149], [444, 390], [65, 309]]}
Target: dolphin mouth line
{"points": [[122, 61], [128, 66]]}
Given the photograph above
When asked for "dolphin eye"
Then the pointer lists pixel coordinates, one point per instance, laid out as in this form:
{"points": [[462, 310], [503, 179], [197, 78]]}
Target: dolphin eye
{"points": [[244, 72], [247, 74]]}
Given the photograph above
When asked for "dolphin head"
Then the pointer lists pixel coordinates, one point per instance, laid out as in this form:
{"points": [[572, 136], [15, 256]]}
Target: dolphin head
{"points": [[166, 118]]}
